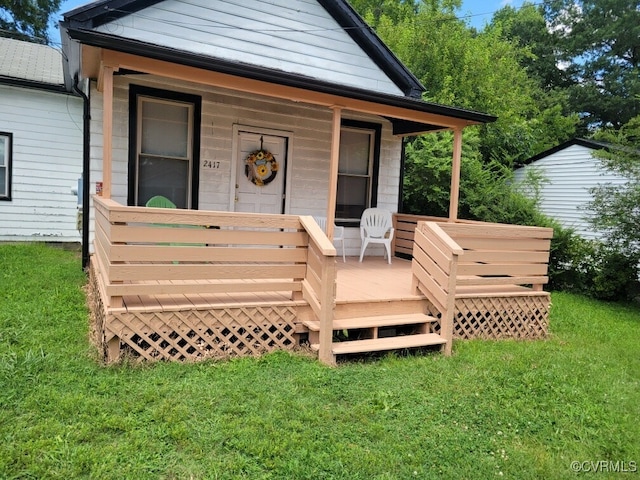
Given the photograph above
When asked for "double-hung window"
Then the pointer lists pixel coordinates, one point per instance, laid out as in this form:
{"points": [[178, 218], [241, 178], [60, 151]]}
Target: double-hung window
{"points": [[5, 165], [165, 150], [357, 170]]}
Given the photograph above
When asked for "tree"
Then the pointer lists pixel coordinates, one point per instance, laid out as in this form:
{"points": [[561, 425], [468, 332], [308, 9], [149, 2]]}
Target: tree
{"points": [[481, 72], [617, 208], [374, 10], [27, 19], [599, 40], [538, 47]]}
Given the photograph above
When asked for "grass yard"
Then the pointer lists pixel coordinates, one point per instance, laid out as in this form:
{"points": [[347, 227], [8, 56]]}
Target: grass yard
{"points": [[506, 409]]}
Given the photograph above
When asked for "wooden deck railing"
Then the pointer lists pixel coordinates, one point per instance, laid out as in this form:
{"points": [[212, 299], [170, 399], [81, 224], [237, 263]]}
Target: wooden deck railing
{"points": [[405, 225], [501, 255], [319, 285], [434, 272], [460, 262], [495, 253], [156, 251]]}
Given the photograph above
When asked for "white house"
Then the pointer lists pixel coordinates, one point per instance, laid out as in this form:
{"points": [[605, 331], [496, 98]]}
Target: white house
{"points": [[569, 170], [188, 90], [41, 139]]}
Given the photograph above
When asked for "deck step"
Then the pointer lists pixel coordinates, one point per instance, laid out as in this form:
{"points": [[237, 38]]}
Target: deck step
{"points": [[389, 343], [375, 321]]}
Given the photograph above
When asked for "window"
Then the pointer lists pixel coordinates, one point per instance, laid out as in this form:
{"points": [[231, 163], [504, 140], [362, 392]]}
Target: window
{"points": [[5, 165], [165, 147], [357, 170]]}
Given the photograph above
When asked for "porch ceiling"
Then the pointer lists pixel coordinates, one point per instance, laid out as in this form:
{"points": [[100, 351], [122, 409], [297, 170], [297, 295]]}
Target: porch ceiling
{"points": [[411, 115]]}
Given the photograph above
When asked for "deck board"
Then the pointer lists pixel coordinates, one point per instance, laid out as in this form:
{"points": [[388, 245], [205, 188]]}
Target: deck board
{"points": [[374, 280]]}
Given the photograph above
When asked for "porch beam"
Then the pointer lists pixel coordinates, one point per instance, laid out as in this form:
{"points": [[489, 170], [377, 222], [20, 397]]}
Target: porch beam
{"points": [[333, 169], [106, 77], [162, 68], [455, 174]]}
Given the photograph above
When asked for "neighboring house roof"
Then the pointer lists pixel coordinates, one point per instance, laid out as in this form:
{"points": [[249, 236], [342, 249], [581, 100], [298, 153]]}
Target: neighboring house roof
{"points": [[30, 65], [176, 31], [592, 144]]}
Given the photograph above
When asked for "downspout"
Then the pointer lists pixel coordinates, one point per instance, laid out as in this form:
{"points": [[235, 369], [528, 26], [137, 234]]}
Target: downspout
{"points": [[86, 171]]}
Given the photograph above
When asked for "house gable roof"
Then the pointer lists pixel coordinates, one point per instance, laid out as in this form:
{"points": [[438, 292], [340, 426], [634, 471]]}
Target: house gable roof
{"points": [[348, 51], [583, 142], [101, 24], [30, 65]]}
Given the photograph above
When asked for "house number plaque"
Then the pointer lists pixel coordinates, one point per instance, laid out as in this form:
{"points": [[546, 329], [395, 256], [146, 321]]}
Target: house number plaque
{"points": [[211, 164]]}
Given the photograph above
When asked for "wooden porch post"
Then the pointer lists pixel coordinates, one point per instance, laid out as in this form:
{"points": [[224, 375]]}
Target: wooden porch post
{"points": [[455, 175], [333, 170], [106, 82]]}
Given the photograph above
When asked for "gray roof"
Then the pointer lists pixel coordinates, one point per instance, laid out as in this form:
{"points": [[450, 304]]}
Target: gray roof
{"points": [[31, 62]]}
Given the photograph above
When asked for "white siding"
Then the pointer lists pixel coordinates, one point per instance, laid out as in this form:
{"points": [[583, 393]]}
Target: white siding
{"points": [[309, 128], [570, 173], [46, 164], [294, 36]]}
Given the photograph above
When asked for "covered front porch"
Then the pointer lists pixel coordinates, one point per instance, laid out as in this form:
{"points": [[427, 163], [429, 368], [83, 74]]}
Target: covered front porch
{"points": [[167, 285]]}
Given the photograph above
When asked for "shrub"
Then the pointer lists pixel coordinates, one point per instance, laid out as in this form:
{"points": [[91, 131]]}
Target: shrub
{"points": [[591, 268]]}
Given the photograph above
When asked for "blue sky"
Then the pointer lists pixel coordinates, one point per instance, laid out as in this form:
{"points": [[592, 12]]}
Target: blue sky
{"points": [[477, 12], [480, 11]]}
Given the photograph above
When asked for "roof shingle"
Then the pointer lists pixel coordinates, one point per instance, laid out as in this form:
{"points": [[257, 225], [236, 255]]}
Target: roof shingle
{"points": [[30, 61]]}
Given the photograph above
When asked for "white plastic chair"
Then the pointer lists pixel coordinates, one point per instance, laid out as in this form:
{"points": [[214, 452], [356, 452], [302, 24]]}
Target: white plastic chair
{"points": [[376, 226], [338, 232]]}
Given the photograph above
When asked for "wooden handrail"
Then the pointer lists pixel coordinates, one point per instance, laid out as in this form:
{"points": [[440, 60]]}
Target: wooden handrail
{"points": [[495, 253], [434, 273], [319, 285]]}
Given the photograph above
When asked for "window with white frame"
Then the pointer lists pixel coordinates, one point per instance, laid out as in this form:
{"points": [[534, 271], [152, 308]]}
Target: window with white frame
{"points": [[357, 170], [5, 165]]}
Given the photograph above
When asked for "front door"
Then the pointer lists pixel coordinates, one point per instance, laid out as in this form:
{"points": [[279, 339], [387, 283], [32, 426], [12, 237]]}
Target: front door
{"points": [[260, 173]]}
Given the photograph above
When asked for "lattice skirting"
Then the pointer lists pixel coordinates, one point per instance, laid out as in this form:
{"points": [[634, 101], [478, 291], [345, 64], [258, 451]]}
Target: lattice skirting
{"points": [[201, 334], [194, 334], [97, 310], [522, 317]]}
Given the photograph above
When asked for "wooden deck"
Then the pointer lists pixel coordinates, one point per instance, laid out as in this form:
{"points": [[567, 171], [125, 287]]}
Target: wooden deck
{"points": [[164, 286]]}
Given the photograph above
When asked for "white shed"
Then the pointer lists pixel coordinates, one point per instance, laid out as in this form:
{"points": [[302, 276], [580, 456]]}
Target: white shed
{"points": [[40, 145], [570, 170]]}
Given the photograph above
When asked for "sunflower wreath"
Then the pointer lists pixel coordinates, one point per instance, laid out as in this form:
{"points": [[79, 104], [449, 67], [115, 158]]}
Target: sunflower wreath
{"points": [[261, 167]]}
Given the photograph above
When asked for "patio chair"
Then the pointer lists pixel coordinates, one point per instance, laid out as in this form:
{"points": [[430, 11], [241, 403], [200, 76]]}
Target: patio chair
{"points": [[160, 202], [338, 232], [376, 226]]}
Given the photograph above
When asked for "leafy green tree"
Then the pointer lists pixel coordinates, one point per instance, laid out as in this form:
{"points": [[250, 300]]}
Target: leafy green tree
{"points": [[617, 208], [480, 72], [374, 10], [486, 192], [537, 45], [27, 19], [599, 41]]}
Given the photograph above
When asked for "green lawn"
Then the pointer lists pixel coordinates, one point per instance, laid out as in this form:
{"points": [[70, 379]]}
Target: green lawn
{"points": [[503, 409]]}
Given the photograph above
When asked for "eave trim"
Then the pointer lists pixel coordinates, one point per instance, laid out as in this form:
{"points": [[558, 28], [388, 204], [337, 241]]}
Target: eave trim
{"points": [[263, 74], [33, 84]]}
